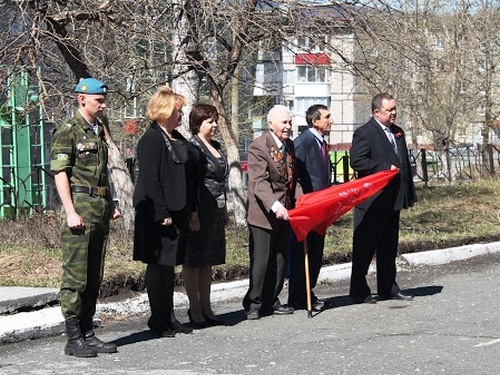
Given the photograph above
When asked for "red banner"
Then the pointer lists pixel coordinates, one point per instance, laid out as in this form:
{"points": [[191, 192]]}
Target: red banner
{"points": [[318, 210]]}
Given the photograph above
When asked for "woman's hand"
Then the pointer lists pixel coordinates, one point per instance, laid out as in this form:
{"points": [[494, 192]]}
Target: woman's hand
{"points": [[194, 221], [167, 221]]}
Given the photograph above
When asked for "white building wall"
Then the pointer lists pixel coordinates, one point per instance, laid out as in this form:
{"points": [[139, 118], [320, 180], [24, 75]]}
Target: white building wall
{"points": [[338, 91]]}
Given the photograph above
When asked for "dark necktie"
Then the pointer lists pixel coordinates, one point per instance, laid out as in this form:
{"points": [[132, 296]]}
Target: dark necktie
{"points": [[390, 136], [324, 150]]}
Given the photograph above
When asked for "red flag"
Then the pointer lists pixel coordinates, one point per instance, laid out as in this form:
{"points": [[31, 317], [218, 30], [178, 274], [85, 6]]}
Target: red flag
{"points": [[318, 210]]}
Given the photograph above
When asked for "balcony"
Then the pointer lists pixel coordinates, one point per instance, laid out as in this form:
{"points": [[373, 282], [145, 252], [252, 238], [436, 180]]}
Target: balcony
{"points": [[306, 89]]}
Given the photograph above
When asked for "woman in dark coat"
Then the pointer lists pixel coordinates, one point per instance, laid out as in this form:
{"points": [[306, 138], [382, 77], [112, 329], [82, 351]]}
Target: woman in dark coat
{"points": [[164, 199], [207, 247]]}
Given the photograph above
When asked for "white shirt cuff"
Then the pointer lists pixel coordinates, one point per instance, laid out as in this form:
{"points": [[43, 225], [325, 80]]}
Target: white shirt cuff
{"points": [[276, 205]]}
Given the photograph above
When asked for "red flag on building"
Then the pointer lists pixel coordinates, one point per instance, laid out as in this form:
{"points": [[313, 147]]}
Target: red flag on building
{"points": [[130, 126], [318, 210]]}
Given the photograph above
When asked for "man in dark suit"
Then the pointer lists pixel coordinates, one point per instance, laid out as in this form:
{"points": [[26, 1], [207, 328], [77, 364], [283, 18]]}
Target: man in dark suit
{"points": [[380, 145], [314, 172], [271, 192]]}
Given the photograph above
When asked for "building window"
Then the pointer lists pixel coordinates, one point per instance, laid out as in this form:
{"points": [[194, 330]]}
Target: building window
{"points": [[315, 45], [302, 104], [303, 42], [314, 74], [440, 65], [483, 65], [303, 128], [439, 43], [270, 68], [289, 77]]}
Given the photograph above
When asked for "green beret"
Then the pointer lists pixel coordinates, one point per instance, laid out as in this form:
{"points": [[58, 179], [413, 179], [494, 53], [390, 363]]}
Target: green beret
{"points": [[91, 86]]}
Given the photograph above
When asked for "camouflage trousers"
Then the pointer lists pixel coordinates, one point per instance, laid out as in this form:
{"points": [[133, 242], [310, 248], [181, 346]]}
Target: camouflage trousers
{"points": [[83, 253]]}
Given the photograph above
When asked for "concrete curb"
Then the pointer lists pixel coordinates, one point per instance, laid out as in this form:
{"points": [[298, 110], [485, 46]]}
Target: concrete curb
{"points": [[31, 325], [26, 298], [436, 257], [49, 321]]}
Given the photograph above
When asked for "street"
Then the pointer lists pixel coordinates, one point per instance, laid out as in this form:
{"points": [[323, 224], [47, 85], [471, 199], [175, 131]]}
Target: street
{"points": [[451, 327]]}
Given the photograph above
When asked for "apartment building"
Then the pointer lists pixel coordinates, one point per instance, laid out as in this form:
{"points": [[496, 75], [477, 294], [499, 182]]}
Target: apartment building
{"points": [[304, 73]]}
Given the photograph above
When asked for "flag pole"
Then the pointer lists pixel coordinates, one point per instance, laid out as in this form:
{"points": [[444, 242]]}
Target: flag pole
{"points": [[308, 281]]}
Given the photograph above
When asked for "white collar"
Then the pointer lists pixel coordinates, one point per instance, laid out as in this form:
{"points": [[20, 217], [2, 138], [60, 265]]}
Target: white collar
{"points": [[384, 127], [279, 143], [320, 137]]}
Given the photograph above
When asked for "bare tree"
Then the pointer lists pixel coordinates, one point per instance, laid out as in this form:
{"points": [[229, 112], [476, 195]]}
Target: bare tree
{"points": [[484, 34], [206, 50]]}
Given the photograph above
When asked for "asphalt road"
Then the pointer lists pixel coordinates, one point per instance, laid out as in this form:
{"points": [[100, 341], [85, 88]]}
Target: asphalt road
{"points": [[450, 328]]}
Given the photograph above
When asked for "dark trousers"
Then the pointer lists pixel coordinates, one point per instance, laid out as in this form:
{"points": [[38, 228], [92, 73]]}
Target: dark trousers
{"points": [[374, 232], [297, 285], [268, 262], [160, 288]]}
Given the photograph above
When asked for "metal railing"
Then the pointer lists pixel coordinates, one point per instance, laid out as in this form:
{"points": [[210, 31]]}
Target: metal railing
{"points": [[456, 163], [448, 165], [341, 170], [20, 198]]}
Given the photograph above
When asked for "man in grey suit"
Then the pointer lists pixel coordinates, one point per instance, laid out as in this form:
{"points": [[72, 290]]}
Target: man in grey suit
{"points": [[314, 172], [376, 146], [271, 193]]}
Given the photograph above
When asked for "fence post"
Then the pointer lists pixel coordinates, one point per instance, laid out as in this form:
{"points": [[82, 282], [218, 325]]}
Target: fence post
{"points": [[345, 165], [333, 166], [489, 150], [425, 173]]}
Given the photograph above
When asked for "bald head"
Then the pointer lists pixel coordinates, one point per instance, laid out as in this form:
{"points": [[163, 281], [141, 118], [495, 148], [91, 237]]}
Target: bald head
{"points": [[279, 120]]}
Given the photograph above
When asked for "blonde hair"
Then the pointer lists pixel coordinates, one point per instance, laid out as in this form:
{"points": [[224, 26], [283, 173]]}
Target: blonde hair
{"points": [[162, 104]]}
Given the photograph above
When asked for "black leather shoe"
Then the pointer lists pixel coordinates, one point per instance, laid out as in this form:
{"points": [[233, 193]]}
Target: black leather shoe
{"points": [[160, 329], [162, 333], [213, 322], [253, 314], [316, 306], [283, 310], [195, 324], [399, 297], [368, 299], [179, 328]]}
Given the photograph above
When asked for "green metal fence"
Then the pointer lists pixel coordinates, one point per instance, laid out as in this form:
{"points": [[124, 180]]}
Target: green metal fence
{"points": [[22, 145]]}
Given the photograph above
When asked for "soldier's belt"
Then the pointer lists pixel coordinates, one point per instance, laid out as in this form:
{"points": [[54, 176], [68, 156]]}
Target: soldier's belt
{"points": [[99, 191]]}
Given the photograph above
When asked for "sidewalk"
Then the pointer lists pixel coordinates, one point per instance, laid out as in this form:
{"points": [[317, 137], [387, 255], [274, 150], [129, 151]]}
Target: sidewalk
{"points": [[18, 320]]}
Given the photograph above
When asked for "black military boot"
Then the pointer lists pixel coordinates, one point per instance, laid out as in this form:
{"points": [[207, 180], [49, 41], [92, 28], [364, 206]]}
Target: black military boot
{"points": [[76, 344], [92, 341]]}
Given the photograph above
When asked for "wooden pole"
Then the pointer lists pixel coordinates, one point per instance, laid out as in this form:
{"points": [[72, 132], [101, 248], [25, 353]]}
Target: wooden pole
{"points": [[308, 281]]}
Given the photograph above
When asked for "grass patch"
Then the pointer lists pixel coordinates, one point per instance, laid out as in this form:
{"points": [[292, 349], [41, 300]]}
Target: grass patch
{"points": [[444, 216]]}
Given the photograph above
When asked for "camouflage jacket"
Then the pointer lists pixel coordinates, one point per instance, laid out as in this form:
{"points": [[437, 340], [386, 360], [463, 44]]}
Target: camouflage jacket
{"points": [[79, 152]]}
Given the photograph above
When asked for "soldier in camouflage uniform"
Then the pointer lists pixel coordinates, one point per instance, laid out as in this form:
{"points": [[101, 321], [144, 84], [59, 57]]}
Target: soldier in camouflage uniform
{"points": [[79, 158]]}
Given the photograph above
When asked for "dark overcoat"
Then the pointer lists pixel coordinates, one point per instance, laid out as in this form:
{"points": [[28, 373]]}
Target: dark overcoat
{"points": [[166, 187]]}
